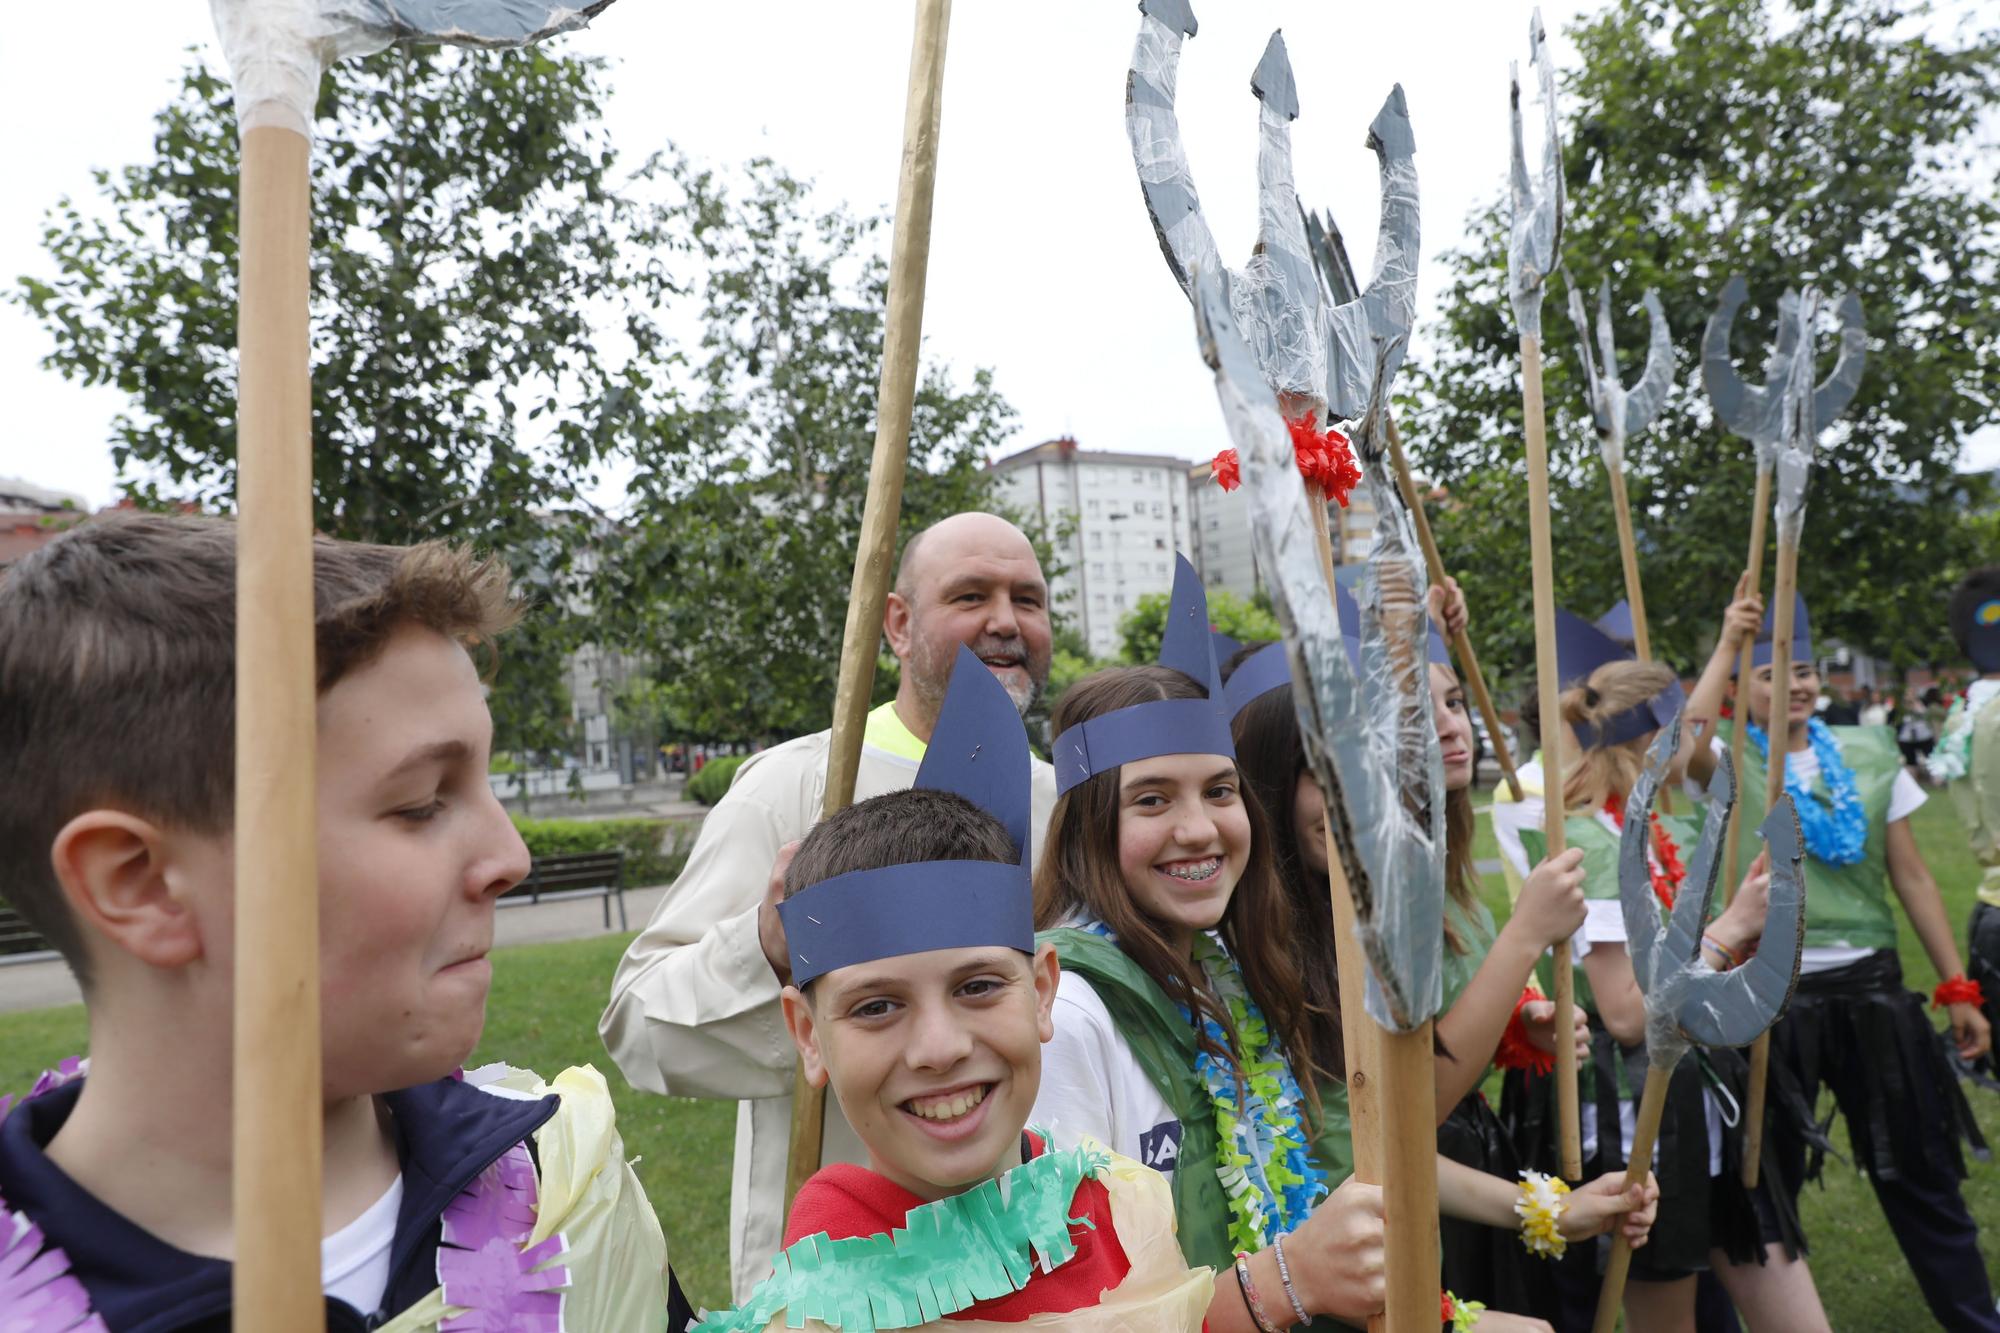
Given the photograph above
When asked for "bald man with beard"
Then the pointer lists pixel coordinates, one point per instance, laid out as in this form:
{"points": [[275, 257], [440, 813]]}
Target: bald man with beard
{"points": [[694, 1007]]}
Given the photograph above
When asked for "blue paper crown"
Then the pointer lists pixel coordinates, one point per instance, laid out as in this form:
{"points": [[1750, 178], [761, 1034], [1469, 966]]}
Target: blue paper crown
{"points": [[980, 751], [1267, 669], [1160, 726], [1760, 652], [1581, 648]]}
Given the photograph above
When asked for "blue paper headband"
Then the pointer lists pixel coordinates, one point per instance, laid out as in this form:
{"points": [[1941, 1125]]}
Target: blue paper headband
{"points": [[1161, 726], [1581, 648], [1256, 676], [979, 750], [1982, 639]]}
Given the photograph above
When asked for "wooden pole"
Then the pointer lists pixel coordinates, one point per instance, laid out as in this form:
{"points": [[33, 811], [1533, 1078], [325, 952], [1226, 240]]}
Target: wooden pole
{"points": [[1739, 731], [1652, 1103], [277, 1109], [1628, 553], [909, 259], [1778, 728], [1548, 685], [1461, 643]]}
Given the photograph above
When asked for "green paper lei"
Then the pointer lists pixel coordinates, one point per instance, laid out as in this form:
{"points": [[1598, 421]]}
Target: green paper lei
{"points": [[947, 1255]]}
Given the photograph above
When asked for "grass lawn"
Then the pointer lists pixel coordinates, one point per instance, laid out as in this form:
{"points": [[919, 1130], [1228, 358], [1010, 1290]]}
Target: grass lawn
{"points": [[546, 999]]}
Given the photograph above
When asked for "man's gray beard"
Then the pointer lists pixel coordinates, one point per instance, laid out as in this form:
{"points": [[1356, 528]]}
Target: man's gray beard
{"points": [[931, 677]]}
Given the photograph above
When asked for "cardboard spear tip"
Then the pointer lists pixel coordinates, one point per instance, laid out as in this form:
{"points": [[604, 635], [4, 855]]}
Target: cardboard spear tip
{"points": [[1176, 14], [494, 23], [1272, 80]]}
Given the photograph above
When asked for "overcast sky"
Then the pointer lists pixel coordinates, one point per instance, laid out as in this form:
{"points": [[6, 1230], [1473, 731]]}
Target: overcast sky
{"points": [[1043, 264]]}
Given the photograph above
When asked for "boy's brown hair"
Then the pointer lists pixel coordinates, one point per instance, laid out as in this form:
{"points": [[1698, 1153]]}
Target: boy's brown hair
{"points": [[118, 681]]}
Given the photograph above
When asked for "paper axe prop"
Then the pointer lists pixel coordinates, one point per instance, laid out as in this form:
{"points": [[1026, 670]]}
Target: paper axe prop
{"points": [[1534, 253], [1687, 1003], [277, 51], [1757, 413], [1372, 747], [1791, 466], [875, 554], [1619, 414]]}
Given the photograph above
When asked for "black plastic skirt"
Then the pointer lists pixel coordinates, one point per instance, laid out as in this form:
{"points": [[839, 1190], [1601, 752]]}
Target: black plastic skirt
{"points": [[1860, 1032], [1698, 1212], [1982, 964], [1484, 1263]]}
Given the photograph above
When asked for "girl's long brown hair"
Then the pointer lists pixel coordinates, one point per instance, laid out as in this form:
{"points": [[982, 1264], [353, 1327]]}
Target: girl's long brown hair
{"points": [[1078, 875]]}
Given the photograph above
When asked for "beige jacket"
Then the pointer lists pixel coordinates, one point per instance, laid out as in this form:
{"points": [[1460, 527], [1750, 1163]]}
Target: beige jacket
{"points": [[694, 1007]]}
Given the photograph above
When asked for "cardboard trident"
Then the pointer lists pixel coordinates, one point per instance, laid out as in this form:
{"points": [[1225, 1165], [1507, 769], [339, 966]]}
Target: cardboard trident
{"points": [[1619, 414], [277, 50], [1533, 255], [1336, 271], [1307, 358], [1376, 760], [1758, 414], [1793, 443], [1686, 1003], [875, 553]]}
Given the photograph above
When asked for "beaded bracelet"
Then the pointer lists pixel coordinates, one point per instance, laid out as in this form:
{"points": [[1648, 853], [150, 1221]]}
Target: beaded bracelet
{"points": [[1250, 1296], [1285, 1276], [1540, 1208], [1957, 990]]}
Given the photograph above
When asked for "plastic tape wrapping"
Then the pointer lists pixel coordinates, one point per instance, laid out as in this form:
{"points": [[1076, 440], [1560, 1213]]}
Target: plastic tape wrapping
{"points": [[1393, 859], [1537, 221], [1277, 297], [1155, 134], [1357, 351], [277, 49]]}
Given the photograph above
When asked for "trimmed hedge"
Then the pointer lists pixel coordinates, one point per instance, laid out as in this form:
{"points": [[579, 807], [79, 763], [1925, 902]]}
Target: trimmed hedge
{"points": [[655, 849], [708, 785]]}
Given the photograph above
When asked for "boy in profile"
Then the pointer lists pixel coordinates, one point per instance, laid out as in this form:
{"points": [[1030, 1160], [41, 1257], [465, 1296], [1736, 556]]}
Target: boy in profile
{"points": [[491, 1200], [921, 996]]}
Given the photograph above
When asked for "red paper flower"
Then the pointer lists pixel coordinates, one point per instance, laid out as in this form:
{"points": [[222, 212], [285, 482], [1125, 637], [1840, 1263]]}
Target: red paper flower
{"points": [[1227, 472], [1325, 458], [1516, 1051], [1445, 1311]]}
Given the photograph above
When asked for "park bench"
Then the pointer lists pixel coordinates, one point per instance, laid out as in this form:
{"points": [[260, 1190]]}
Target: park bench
{"points": [[18, 941], [573, 875]]}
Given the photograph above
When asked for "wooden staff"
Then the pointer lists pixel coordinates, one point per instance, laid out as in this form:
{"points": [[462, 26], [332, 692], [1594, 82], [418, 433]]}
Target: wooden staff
{"points": [[909, 259], [1780, 736], [1548, 685], [1652, 1103], [1461, 643], [1628, 554], [276, 1105], [1739, 731]]}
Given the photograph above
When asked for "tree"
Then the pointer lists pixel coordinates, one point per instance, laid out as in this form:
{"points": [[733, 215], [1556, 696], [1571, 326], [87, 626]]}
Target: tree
{"points": [[1141, 628], [471, 240], [734, 566], [1835, 145]]}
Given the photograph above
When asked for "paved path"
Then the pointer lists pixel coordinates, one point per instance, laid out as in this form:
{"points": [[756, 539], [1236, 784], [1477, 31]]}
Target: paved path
{"points": [[40, 985]]}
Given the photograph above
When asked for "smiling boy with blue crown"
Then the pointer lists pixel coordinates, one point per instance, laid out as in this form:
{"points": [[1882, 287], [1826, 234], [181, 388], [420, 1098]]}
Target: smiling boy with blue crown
{"points": [[488, 1200], [921, 996]]}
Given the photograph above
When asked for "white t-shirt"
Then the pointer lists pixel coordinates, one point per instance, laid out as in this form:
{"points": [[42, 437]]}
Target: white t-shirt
{"points": [[354, 1261], [1093, 1084], [1905, 797]]}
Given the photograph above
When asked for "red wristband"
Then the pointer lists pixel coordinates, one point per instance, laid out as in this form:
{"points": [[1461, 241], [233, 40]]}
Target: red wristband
{"points": [[1957, 990], [1516, 1051]]}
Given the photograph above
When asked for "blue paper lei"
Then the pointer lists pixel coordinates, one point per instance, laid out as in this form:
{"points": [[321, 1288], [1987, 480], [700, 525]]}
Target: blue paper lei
{"points": [[1838, 835], [1263, 1158]]}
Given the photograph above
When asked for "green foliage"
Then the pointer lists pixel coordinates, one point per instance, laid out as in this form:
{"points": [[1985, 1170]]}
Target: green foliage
{"points": [[1831, 142], [708, 785], [1139, 630], [655, 849], [750, 494]]}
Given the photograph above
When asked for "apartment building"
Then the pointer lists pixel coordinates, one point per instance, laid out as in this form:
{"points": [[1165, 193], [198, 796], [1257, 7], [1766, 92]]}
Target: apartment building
{"points": [[1118, 520]]}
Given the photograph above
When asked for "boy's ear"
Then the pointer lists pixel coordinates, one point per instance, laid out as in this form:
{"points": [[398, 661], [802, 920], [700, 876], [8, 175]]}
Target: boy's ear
{"points": [[1047, 971], [122, 879], [799, 1021]]}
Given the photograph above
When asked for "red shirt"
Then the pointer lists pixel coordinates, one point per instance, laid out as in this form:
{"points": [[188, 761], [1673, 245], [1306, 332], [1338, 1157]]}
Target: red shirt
{"points": [[845, 1200]]}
